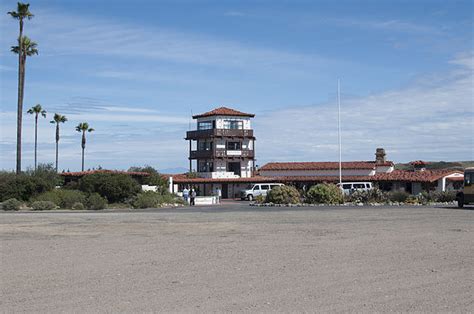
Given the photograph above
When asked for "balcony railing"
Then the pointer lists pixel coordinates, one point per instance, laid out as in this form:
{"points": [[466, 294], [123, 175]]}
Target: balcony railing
{"points": [[221, 153], [199, 134]]}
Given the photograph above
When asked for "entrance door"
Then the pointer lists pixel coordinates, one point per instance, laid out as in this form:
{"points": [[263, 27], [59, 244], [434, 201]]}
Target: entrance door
{"points": [[234, 167], [225, 190]]}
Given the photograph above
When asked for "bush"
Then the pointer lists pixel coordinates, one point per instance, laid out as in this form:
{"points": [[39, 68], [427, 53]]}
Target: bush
{"points": [[260, 199], [78, 206], [62, 197], [96, 202], [150, 199], [324, 194], [283, 195], [155, 178], [446, 196], [11, 204], [113, 186], [399, 196], [370, 196], [22, 186], [43, 205]]}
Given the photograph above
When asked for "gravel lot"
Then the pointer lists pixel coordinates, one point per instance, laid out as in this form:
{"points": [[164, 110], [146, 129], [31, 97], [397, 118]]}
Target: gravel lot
{"points": [[237, 258]]}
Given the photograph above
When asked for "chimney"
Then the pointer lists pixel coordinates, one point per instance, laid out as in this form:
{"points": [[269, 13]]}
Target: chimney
{"points": [[380, 156]]}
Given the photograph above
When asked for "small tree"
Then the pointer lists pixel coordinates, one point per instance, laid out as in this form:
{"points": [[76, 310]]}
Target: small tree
{"points": [[324, 194], [283, 195]]}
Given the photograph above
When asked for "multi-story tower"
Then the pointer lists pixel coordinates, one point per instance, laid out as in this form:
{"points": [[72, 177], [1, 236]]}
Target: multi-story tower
{"points": [[223, 144]]}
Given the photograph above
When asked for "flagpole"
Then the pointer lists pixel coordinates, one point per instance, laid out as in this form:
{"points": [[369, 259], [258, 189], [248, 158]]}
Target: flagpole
{"points": [[339, 128]]}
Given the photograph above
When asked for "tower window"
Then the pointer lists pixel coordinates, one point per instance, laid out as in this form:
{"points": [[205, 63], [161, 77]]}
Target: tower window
{"points": [[233, 124]]}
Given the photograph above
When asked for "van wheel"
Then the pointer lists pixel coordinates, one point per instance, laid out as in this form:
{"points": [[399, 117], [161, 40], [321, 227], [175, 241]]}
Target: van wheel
{"points": [[250, 197], [460, 202]]}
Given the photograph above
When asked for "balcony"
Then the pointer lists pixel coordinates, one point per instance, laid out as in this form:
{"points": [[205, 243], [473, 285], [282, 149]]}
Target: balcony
{"points": [[221, 153], [201, 134]]}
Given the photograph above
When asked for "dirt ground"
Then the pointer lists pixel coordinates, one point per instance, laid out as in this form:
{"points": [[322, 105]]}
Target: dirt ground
{"points": [[238, 258]]}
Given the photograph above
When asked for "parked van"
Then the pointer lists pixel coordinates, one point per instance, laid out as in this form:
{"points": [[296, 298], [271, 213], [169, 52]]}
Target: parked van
{"points": [[254, 190], [466, 196], [349, 187]]}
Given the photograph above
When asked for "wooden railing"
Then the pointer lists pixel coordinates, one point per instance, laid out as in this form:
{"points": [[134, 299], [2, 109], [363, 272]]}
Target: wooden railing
{"points": [[221, 153], [198, 134]]}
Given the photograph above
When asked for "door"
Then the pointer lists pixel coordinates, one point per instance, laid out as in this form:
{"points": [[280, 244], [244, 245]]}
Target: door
{"points": [[225, 190], [234, 167]]}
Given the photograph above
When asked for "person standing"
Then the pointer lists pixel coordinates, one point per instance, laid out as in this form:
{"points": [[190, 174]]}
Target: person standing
{"points": [[193, 196], [219, 195], [186, 195]]}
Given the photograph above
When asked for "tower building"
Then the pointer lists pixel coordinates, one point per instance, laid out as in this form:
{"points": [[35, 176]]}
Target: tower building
{"points": [[223, 144]]}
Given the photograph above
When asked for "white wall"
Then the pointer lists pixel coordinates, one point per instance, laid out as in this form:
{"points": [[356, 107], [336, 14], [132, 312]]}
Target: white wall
{"points": [[220, 121]]}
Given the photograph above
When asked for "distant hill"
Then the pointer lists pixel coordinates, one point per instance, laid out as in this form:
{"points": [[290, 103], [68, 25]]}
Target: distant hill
{"points": [[433, 165], [176, 170]]}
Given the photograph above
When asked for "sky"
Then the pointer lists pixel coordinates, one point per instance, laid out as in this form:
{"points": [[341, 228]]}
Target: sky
{"points": [[136, 70]]}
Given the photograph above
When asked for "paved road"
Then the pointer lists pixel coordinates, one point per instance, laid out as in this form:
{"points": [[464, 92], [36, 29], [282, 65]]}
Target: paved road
{"points": [[239, 258]]}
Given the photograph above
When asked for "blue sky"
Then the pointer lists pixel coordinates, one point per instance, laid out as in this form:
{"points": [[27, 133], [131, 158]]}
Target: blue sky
{"points": [[136, 69]]}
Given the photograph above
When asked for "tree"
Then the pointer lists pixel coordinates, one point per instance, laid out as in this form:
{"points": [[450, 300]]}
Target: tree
{"points": [[20, 14], [83, 128], [57, 120], [37, 110]]}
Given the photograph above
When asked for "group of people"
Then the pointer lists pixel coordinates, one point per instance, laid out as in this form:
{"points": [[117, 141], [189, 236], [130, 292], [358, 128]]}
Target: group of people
{"points": [[189, 196]]}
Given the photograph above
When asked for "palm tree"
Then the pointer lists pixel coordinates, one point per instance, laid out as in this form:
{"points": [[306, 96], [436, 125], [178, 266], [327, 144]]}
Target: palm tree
{"points": [[83, 128], [37, 110], [20, 14], [58, 119]]}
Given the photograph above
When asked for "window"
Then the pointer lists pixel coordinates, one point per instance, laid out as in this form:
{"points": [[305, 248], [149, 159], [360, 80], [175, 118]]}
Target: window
{"points": [[234, 145], [468, 178], [233, 124], [347, 186], [204, 145], [206, 166], [205, 125], [359, 186], [256, 188], [265, 187]]}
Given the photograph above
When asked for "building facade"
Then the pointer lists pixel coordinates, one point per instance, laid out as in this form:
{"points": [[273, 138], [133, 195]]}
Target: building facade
{"points": [[223, 145]]}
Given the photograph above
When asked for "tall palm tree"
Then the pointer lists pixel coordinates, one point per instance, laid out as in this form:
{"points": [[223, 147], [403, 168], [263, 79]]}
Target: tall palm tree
{"points": [[83, 128], [57, 120], [20, 14], [37, 110]]}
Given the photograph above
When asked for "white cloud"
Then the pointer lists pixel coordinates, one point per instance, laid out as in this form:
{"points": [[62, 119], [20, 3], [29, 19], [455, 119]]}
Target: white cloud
{"points": [[106, 37], [432, 121]]}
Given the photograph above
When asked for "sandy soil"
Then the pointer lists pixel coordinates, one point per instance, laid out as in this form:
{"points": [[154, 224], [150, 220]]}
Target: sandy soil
{"points": [[240, 259]]}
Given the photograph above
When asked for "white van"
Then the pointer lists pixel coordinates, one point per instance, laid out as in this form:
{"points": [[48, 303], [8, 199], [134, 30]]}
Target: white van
{"points": [[349, 187], [254, 190]]}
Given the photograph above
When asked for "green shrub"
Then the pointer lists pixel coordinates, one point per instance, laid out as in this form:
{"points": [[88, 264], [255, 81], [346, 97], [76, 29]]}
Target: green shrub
{"points": [[96, 202], [446, 196], [374, 195], [11, 204], [150, 199], [114, 187], [64, 198], [260, 199], [22, 186], [43, 205], [399, 196], [324, 194], [78, 206], [283, 195]]}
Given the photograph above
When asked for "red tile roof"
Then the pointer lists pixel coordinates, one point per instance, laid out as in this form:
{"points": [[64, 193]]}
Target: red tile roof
{"points": [[277, 166], [455, 179], [224, 111], [414, 176], [84, 173]]}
